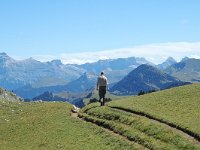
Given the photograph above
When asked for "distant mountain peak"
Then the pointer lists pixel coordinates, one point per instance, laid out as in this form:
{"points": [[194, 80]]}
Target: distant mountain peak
{"points": [[170, 59], [30, 59], [184, 59], [4, 58], [3, 54], [146, 67], [57, 62], [87, 76], [168, 62]]}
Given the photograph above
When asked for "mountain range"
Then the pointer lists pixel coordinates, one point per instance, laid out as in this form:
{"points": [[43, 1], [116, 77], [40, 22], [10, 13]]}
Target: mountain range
{"points": [[115, 69], [83, 83], [187, 70], [30, 78], [15, 74]]}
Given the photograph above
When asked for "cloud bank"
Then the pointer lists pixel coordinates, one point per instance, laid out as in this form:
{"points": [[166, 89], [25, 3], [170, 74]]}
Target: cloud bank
{"points": [[155, 53]]}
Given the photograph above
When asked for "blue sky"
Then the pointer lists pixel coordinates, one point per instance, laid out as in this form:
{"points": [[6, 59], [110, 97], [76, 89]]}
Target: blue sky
{"points": [[50, 29]]}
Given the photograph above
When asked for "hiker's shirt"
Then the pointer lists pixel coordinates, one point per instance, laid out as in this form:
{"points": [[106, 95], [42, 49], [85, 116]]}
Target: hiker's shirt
{"points": [[102, 84], [102, 81]]}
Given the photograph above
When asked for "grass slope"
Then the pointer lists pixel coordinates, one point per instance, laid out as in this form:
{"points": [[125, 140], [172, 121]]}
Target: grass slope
{"points": [[50, 126], [128, 117], [180, 106], [148, 133]]}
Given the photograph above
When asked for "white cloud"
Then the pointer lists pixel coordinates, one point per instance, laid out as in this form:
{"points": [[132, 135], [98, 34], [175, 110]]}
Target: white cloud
{"points": [[155, 53]]}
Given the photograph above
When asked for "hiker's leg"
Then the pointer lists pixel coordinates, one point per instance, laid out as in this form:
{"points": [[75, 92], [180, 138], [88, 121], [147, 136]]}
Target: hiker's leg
{"points": [[99, 96], [103, 100], [104, 94], [100, 100]]}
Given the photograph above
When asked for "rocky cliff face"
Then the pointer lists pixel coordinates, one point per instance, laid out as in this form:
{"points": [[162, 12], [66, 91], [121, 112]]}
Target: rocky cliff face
{"points": [[9, 96]]}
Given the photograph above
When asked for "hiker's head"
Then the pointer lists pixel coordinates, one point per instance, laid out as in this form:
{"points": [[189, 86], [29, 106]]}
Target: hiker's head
{"points": [[102, 73]]}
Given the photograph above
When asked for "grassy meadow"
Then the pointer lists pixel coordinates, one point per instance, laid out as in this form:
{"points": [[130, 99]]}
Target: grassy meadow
{"points": [[129, 117], [49, 125], [153, 121], [180, 105]]}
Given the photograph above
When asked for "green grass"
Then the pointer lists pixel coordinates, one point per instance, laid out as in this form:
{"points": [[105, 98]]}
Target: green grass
{"points": [[50, 126], [149, 133], [130, 117], [180, 106]]}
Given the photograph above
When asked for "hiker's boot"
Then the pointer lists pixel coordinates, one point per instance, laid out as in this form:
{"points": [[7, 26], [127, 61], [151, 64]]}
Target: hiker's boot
{"points": [[100, 100], [103, 101]]}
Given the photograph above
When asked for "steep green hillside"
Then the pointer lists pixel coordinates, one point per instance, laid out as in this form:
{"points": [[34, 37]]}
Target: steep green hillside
{"points": [[50, 126], [168, 119], [180, 106]]}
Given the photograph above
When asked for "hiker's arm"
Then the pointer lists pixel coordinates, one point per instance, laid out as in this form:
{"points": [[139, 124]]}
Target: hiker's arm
{"points": [[97, 84], [107, 84]]}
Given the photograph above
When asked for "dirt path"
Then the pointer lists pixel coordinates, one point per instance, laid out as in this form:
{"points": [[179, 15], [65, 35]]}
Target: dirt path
{"points": [[74, 115], [180, 131]]}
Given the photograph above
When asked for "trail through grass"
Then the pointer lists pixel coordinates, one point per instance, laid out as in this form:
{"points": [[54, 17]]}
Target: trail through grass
{"points": [[179, 106], [150, 134]]}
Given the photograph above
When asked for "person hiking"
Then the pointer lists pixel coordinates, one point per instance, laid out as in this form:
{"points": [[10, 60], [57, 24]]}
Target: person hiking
{"points": [[102, 86]]}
